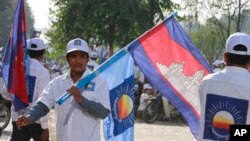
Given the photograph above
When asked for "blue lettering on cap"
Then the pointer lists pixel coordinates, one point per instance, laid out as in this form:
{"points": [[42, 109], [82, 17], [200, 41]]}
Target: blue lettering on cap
{"points": [[77, 42]]}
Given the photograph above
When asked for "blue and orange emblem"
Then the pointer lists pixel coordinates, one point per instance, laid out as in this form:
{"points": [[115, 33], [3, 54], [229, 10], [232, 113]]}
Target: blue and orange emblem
{"points": [[122, 105], [221, 112]]}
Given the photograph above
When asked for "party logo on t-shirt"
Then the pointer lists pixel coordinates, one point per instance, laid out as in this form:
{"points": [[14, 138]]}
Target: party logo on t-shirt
{"points": [[90, 86], [31, 87], [220, 113]]}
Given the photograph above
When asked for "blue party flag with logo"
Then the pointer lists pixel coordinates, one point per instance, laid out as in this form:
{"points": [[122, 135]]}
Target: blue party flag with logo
{"points": [[119, 73], [119, 125]]}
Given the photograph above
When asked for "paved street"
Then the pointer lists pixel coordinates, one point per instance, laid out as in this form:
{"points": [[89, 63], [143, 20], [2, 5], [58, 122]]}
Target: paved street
{"points": [[158, 131]]}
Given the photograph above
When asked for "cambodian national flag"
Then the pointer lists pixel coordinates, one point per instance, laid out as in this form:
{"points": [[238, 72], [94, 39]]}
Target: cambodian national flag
{"points": [[174, 66], [119, 125], [13, 68]]}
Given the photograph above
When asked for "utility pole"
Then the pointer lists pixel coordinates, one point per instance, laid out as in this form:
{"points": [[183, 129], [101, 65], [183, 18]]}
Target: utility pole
{"points": [[239, 18]]}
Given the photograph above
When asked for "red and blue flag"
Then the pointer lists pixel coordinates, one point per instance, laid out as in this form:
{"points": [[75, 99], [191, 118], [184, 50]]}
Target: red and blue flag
{"points": [[174, 66], [13, 68]]}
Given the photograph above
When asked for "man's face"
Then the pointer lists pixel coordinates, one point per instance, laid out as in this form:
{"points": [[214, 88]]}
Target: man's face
{"points": [[77, 61]]}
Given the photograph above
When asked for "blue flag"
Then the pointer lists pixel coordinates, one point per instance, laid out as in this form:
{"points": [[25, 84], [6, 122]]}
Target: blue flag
{"points": [[119, 74], [119, 125]]}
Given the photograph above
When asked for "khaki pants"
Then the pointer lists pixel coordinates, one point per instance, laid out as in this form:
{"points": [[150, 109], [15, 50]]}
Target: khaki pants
{"points": [[166, 107]]}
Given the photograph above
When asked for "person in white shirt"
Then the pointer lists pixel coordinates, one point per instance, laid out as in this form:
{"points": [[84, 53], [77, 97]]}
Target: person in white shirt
{"points": [[78, 118], [92, 65], [218, 65], [102, 52], [38, 78], [144, 99], [224, 95]]}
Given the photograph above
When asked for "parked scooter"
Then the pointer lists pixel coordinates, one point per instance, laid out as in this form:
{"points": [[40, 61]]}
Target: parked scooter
{"points": [[5, 114], [154, 110]]}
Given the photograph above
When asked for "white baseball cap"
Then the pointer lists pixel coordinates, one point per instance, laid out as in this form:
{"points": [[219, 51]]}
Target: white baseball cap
{"points": [[238, 39], [35, 44], [217, 62], [147, 86], [93, 54], [77, 45]]}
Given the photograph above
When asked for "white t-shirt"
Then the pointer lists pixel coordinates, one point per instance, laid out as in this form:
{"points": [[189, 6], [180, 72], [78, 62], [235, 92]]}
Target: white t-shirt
{"points": [[224, 98], [143, 104], [72, 123], [217, 69], [42, 78]]}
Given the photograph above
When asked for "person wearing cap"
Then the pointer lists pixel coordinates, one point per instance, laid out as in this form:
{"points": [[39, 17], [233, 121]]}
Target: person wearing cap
{"points": [[92, 65], [144, 100], [224, 95], [78, 118], [38, 78]]}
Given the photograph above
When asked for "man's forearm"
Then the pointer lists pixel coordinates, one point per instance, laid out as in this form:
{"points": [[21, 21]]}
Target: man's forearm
{"points": [[37, 111], [93, 108]]}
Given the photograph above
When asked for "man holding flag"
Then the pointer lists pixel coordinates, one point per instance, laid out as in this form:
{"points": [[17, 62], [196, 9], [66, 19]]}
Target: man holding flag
{"points": [[24, 81], [168, 59], [38, 78], [170, 62], [78, 118]]}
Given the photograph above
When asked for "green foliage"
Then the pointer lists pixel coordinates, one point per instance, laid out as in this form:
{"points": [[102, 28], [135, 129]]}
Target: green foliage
{"points": [[206, 39], [211, 38], [7, 16], [222, 18], [117, 22]]}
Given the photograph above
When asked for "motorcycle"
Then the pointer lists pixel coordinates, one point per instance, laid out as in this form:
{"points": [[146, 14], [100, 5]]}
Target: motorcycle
{"points": [[154, 110], [5, 114]]}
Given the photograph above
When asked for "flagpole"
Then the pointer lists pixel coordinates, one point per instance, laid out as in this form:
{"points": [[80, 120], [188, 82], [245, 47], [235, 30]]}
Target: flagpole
{"points": [[84, 81]]}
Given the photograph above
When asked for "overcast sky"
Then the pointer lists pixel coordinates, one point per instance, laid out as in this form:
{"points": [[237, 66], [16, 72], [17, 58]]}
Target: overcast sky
{"points": [[40, 9]]}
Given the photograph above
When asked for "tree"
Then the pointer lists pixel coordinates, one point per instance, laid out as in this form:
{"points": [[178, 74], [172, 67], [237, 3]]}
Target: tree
{"points": [[7, 14], [206, 39], [116, 22], [223, 16]]}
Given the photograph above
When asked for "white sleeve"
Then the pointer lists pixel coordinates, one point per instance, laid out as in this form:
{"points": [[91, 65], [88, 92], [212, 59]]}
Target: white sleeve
{"points": [[42, 83], [202, 89], [103, 94], [5, 93], [143, 97], [47, 96]]}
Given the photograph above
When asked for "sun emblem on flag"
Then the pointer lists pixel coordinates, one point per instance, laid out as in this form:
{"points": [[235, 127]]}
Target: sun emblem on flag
{"points": [[122, 106]]}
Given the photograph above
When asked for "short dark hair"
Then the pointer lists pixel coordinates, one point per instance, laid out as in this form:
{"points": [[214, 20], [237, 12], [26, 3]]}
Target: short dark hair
{"points": [[68, 54], [35, 53], [235, 59]]}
